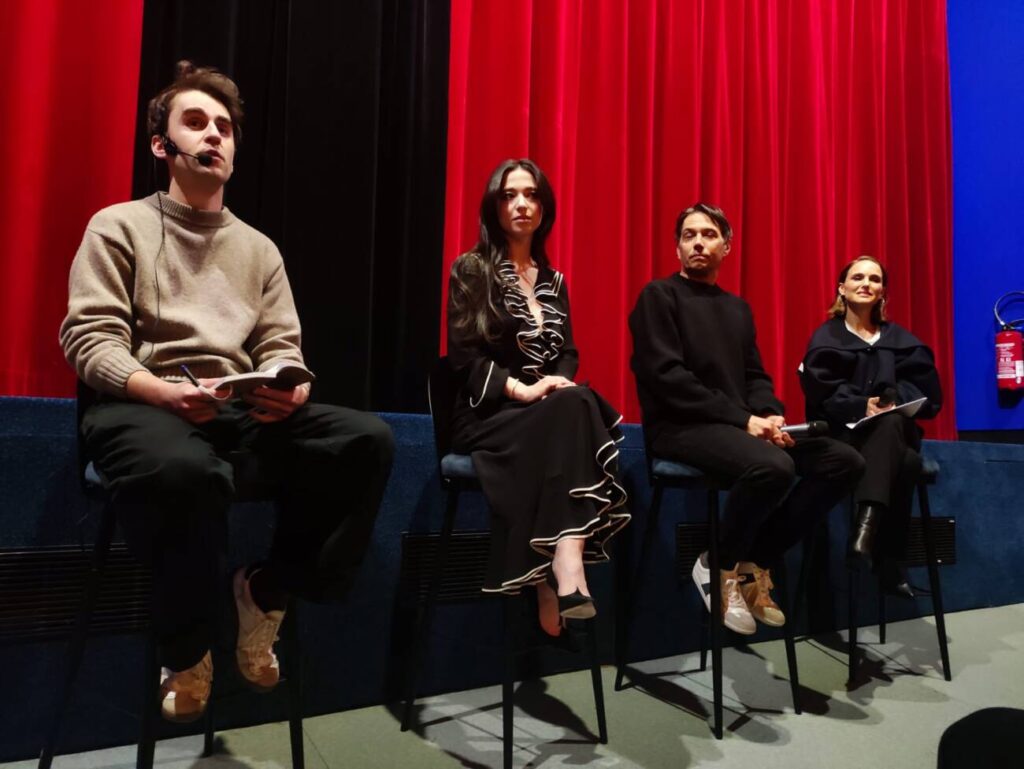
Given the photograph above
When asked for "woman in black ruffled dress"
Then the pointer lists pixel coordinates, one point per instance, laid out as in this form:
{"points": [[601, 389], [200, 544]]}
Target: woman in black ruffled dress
{"points": [[545, 448], [860, 365]]}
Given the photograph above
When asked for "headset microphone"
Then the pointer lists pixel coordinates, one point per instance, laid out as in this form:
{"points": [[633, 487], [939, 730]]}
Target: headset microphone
{"points": [[172, 149]]}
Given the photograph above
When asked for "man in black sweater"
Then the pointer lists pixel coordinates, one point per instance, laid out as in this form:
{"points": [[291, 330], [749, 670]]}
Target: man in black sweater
{"points": [[708, 402]]}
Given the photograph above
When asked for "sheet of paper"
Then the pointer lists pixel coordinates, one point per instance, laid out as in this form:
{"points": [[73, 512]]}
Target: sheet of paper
{"points": [[907, 409]]}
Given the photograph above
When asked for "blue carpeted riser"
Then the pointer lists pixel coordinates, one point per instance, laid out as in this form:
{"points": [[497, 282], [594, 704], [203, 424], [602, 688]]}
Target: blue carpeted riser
{"points": [[353, 651]]}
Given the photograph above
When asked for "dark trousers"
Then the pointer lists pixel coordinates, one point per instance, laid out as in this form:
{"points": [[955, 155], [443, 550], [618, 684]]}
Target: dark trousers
{"points": [[765, 513], [890, 446], [171, 488]]}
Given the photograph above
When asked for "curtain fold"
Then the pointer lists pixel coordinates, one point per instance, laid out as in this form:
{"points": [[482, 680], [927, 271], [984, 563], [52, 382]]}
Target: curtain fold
{"points": [[822, 129], [342, 165], [70, 74]]}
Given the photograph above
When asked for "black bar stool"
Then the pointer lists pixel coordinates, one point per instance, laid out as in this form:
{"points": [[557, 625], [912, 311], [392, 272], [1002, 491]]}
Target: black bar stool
{"points": [[252, 485], [929, 476], [662, 474], [457, 475]]}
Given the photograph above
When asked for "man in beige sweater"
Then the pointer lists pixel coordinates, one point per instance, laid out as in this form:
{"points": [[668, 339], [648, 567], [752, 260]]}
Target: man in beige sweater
{"points": [[175, 288]]}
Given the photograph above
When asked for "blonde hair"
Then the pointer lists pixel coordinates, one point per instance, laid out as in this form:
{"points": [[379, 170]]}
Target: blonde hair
{"points": [[838, 308]]}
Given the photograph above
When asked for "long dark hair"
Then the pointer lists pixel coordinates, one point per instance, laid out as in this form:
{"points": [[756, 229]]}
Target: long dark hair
{"points": [[475, 287]]}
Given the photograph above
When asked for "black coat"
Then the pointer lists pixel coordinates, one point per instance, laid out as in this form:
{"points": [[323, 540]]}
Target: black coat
{"points": [[841, 371]]}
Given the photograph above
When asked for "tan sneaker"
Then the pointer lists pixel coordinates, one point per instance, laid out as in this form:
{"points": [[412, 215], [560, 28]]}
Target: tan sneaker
{"points": [[735, 614], [257, 631], [756, 589], [183, 695]]}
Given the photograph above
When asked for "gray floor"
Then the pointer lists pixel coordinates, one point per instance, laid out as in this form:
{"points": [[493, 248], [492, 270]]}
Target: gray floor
{"points": [[894, 718]]}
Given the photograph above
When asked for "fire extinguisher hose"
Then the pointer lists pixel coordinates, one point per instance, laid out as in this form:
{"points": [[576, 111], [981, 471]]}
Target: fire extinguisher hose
{"points": [[1006, 299]]}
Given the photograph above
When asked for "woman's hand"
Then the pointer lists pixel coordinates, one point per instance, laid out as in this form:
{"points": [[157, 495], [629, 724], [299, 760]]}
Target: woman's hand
{"points": [[873, 407], [539, 389]]}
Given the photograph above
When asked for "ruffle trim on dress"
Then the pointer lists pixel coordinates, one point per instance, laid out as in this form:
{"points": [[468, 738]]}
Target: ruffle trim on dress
{"points": [[539, 342], [610, 498]]}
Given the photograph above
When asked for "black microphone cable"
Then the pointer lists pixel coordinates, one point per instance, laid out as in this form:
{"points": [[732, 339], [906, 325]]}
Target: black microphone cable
{"points": [[156, 263]]}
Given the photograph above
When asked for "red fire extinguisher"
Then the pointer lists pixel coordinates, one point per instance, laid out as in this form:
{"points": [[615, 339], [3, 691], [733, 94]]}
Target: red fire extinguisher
{"points": [[1009, 346]]}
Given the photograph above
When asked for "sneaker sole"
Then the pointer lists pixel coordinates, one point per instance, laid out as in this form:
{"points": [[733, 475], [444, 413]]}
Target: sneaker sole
{"points": [[738, 629], [176, 719], [252, 685]]}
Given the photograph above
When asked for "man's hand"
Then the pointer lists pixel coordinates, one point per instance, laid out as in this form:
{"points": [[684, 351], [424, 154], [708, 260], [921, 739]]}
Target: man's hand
{"points": [[181, 398], [768, 429], [873, 407], [540, 388], [779, 438], [275, 405]]}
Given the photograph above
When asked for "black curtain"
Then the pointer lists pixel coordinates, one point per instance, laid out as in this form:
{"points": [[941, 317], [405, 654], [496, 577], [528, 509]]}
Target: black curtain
{"points": [[342, 164]]}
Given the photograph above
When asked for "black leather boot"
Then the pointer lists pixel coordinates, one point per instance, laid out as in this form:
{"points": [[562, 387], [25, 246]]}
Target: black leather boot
{"points": [[862, 538], [895, 583]]}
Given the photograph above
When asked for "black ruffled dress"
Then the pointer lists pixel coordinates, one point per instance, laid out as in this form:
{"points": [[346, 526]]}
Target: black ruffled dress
{"points": [[547, 468]]}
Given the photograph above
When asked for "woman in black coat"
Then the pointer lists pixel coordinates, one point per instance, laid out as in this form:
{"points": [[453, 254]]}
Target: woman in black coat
{"points": [[545, 448], [860, 365]]}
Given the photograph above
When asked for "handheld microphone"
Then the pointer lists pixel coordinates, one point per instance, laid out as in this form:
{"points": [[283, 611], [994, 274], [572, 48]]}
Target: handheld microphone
{"points": [[172, 149], [887, 398], [806, 429]]}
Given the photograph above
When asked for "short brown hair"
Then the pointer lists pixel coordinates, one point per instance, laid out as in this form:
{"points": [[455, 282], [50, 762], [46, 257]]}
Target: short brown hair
{"points": [[714, 213], [189, 77], [838, 308]]}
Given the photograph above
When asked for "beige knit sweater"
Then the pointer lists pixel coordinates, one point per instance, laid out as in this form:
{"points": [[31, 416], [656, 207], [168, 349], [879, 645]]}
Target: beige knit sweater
{"points": [[214, 297]]}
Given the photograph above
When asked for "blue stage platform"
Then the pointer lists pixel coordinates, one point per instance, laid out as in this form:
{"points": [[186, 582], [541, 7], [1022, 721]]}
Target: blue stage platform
{"points": [[354, 651]]}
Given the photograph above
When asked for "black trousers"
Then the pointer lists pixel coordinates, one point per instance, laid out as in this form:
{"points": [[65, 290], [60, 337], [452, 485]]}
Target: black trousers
{"points": [[765, 513], [890, 446], [171, 488]]}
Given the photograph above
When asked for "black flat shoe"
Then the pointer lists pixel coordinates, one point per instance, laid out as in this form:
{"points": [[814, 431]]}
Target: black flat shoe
{"points": [[862, 538], [575, 605]]}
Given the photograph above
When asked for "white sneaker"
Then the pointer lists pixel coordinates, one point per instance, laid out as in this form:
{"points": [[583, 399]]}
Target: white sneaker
{"points": [[184, 694], [257, 631], [735, 614]]}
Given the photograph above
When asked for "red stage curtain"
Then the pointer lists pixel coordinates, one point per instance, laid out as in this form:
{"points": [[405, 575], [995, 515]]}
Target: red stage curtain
{"points": [[821, 128], [69, 73]]}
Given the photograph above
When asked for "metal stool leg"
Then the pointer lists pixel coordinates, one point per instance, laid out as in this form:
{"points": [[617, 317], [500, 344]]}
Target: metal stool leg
{"points": [[851, 644], [794, 673], [508, 682], [716, 610], [800, 597], [291, 637], [705, 637], [933, 578], [80, 635], [881, 611], [150, 704], [208, 729], [628, 613], [598, 684], [421, 638]]}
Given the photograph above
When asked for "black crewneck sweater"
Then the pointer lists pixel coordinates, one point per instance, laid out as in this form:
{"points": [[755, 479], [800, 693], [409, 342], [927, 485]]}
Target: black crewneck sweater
{"points": [[695, 357]]}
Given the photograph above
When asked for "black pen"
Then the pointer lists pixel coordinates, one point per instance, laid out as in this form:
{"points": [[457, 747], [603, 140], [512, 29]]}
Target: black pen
{"points": [[190, 375]]}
